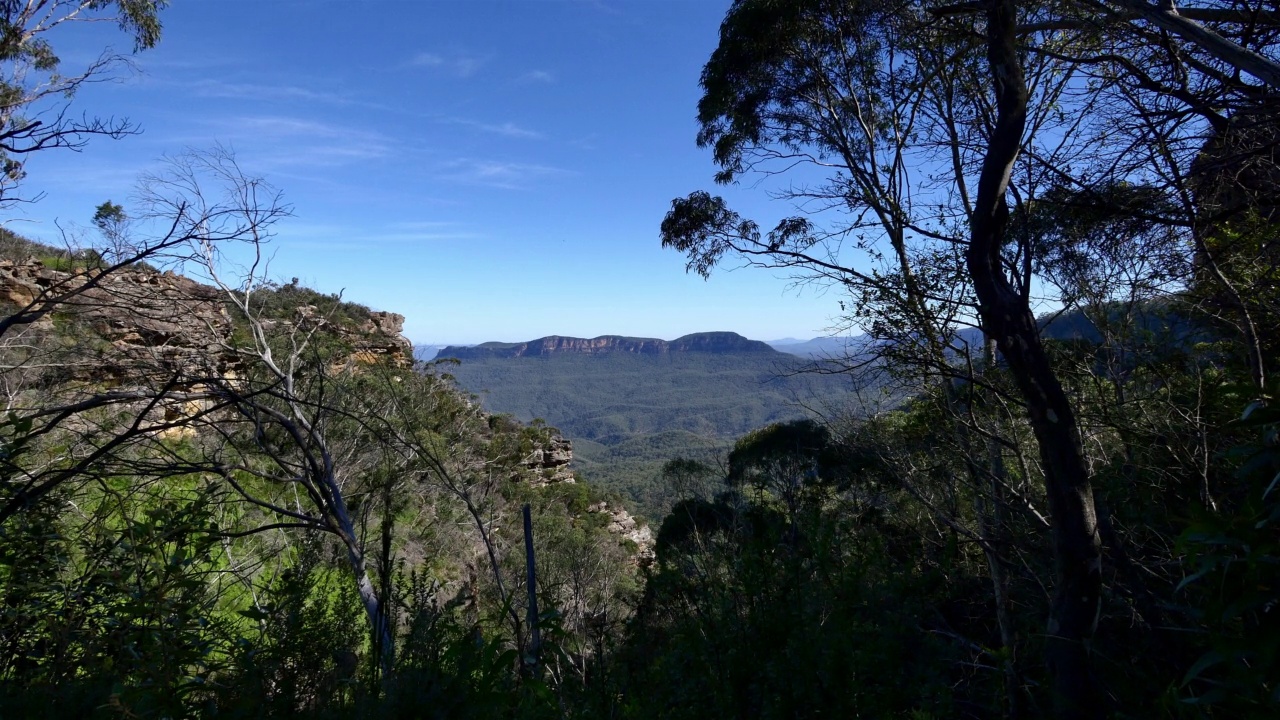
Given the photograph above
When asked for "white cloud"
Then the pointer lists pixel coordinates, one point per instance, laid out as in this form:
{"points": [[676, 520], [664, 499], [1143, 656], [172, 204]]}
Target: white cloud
{"points": [[424, 225], [586, 142], [511, 130], [272, 143], [498, 174], [253, 91], [278, 126], [462, 66], [537, 76], [396, 233], [506, 129]]}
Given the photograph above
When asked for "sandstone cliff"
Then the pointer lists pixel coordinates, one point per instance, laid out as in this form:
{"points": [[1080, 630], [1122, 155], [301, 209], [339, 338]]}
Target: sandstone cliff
{"points": [[114, 326], [161, 323], [709, 342]]}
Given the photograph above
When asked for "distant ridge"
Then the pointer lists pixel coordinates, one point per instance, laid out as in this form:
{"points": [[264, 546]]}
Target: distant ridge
{"points": [[426, 353], [823, 347], [708, 342]]}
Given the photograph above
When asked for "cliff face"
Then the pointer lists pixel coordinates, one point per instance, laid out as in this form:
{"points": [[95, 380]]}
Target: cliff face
{"points": [[131, 321], [375, 339], [161, 323], [710, 342]]}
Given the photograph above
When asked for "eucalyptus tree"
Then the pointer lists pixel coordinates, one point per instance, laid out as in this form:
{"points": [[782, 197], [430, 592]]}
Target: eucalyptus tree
{"points": [[1182, 105], [940, 134], [889, 100], [35, 90], [282, 426]]}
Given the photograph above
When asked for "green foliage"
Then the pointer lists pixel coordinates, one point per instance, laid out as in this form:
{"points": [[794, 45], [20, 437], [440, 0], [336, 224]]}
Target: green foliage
{"points": [[1246, 251], [1104, 241], [797, 452], [756, 81], [299, 653], [1235, 583], [749, 615], [101, 620], [19, 249], [634, 467], [284, 301]]}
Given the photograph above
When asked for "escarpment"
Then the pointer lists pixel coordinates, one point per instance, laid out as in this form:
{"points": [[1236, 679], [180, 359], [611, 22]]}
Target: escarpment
{"points": [[138, 322], [708, 342], [124, 325]]}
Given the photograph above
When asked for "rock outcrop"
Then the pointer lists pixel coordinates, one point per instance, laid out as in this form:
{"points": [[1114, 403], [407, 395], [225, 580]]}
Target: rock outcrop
{"points": [[163, 324], [710, 342], [375, 339], [551, 464], [135, 319], [625, 527]]}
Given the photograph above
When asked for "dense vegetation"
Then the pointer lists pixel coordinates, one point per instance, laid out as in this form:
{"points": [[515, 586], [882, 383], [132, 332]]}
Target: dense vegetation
{"points": [[201, 535], [239, 499]]}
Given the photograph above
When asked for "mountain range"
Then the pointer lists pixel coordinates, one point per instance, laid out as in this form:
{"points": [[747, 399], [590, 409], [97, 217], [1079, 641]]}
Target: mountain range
{"points": [[710, 342], [717, 341], [629, 404]]}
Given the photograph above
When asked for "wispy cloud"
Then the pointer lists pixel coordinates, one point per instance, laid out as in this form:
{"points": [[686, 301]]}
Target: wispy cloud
{"points": [[119, 178], [509, 129], [149, 62], [586, 142], [463, 66], [275, 142], [506, 129], [537, 76], [254, 91], [396, 233], [498, 174], [287, 126], [424, 225], [601, 7]]}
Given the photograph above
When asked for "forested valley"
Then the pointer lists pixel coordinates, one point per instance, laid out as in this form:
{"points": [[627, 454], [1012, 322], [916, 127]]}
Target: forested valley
{"points": [[222, 495]]}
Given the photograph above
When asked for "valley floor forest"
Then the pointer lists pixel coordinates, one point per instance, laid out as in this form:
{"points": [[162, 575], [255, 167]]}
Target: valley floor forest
{"points": [[227, 496]]}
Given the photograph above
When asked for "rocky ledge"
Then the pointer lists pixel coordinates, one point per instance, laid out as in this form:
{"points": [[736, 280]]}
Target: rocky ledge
{"points": [[162, 324], [550, 465], [134, 318], [625, 527]]}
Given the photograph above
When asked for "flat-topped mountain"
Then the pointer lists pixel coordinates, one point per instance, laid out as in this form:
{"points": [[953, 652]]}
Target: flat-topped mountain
{"points": [[708, 342], [630, 404]]}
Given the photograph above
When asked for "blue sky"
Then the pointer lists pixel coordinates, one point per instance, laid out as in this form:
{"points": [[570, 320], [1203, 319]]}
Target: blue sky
{"points": [[492, 171]]}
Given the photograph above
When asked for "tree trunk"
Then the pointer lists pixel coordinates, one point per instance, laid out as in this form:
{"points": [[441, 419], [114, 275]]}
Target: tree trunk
{"points": [[373, 605], [1006, 317], [1166, 17]]}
